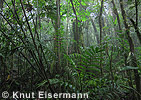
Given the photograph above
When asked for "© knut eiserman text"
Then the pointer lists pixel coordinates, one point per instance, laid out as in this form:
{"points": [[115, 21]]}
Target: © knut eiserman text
{"points": [[45, 94]]}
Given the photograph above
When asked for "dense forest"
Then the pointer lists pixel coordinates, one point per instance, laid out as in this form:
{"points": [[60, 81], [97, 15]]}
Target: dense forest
{"points": [[62, 49]]}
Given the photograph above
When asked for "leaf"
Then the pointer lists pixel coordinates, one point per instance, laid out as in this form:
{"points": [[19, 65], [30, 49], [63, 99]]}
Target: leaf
{"points": [[52, 66], [42, 83], [128, 68], [8, 77], [1, 54], [84, 4], [115, 22], [94, 69], [84, 18], [54, 81]]}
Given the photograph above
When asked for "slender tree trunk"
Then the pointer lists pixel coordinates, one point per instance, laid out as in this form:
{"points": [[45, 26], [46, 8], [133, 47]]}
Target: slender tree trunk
{"points": [[111, 70], [100, 25], [132, 51], [57, 36], [103, 25], [116, 13], [87, 26], [67, 30], [125, 55], [94, 27], [1, 6], [1, 57], [76, 34], [136, 6], [136, 29]]}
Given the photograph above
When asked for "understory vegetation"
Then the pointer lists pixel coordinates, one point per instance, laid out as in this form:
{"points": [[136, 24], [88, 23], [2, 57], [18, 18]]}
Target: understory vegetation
{"points": [[71, 46]]}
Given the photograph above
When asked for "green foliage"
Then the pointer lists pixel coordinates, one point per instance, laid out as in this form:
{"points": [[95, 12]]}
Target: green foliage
{"points": [[88, 61], [128, 68], [28, 44]]}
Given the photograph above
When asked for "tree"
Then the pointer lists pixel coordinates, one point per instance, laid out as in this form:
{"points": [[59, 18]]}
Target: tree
{"points": [[73, 46], [132, 51], [100, 25], [76, 32]]}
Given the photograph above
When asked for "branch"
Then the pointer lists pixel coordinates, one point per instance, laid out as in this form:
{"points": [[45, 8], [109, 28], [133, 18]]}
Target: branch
{"points": [[136, 29]]}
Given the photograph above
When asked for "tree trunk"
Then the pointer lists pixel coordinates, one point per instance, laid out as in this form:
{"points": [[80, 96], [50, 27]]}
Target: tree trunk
{"points": [[1, 57], [116, 13], [87, 27], [100, 25], [132, 51], [94, 27], [1, 4], [75, 28], [57, 42], [136, 29]]}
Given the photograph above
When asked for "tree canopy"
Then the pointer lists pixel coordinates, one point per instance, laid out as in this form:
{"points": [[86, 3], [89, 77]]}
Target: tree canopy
{"points": [[71, 46]]}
